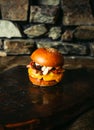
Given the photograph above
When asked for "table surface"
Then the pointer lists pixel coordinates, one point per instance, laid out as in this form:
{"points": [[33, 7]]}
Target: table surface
{"points": [[22, 101]]}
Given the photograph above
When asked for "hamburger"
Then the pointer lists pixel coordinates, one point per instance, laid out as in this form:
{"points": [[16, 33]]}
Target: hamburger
{"points": [[46, 67]]}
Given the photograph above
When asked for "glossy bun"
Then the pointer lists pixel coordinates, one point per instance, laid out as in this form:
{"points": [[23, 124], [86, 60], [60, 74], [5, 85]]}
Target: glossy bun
{"points": [[47, 57], [42, 83]]}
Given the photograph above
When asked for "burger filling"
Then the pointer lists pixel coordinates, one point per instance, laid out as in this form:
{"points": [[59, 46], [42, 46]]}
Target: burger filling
{"points": [[44, 72]]}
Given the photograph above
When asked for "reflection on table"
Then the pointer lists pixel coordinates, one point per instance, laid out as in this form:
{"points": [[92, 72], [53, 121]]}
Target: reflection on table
{"points": [[22, 103]]}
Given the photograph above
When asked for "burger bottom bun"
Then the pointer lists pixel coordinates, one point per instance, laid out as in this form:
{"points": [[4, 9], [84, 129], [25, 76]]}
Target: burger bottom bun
{"points": [[42, 83]]}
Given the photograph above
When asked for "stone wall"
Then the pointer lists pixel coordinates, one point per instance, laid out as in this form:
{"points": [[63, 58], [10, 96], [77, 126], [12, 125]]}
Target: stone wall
{"points": [[63, 24]]}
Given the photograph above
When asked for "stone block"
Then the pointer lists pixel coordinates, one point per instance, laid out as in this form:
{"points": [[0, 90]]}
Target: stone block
{"points": [[47, 43], [49, 2], [44, 14], [18, 46], [74, 49], [54, 33], [84, 33], [9, 30], [3, 53], [77, 12], [92, 49], [64, 47], [16, 10], [67, 35], [35, 30]]}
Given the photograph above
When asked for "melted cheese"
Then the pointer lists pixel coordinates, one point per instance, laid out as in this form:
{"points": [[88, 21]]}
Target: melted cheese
{"points": [[50, 76]]}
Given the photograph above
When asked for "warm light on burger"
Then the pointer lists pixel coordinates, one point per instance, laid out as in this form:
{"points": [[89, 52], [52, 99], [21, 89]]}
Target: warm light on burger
{"points": [[46, 67]]}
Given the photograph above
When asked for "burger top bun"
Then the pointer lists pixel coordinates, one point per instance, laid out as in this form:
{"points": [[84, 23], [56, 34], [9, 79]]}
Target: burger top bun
{"points": [[47, 57]]}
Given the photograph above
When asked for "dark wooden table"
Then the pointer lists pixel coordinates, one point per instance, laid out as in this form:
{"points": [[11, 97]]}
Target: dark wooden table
{"points": [[23, 103]]}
